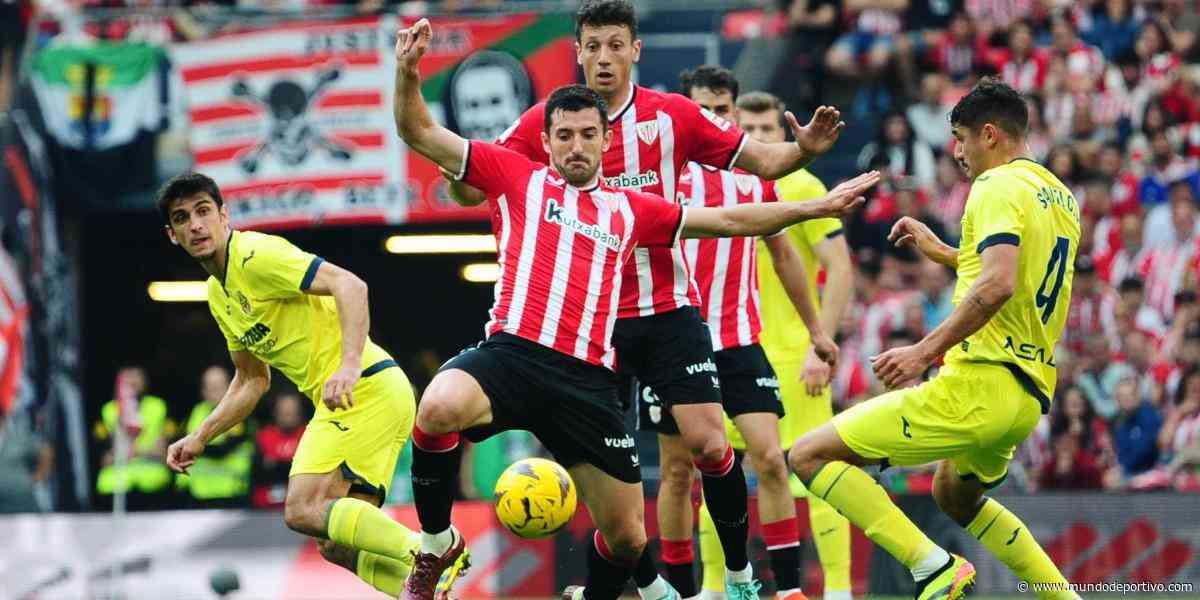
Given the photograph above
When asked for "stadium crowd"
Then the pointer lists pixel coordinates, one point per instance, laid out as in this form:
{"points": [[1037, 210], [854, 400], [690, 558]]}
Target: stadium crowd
{"points": [[1114, 94]]}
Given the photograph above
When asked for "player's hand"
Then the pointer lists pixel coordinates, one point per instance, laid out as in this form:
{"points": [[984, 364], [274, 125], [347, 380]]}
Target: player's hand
{"points": [[182, 454], [339, 388], [815, 373], [825, 349], [900, 365], [821, 132], [848, 195], [909, 232], [411, 44]]}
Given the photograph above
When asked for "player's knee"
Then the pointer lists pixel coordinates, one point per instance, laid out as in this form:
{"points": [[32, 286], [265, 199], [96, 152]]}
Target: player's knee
{"points": [[804, 459], [438, 413], [770, 464], [627, 540], [298, 516], [958, 503], [707, 445]]}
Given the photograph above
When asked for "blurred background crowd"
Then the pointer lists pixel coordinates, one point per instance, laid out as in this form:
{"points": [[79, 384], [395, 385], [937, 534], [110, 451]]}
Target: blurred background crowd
{"points": [[1114, 95]]}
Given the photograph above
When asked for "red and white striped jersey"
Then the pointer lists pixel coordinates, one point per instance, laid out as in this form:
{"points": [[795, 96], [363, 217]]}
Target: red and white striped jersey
{"points": [[653, 136], [561, 250], [726, 269]]}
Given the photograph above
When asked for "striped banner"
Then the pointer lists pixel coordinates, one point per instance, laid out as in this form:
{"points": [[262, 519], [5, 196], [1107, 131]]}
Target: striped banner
{"points": [[294, 123]]}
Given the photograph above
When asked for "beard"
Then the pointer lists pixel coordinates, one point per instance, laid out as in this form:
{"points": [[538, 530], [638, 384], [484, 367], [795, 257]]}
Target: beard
{"points": [[577, 174]]}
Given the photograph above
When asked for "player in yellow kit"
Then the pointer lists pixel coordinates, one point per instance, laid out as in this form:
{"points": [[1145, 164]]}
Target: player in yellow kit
{"points": [[281, 307], [1020, 233], [803, 378]]}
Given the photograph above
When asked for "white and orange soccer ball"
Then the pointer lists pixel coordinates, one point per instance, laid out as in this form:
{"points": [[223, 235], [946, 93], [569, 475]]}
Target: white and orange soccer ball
{"points": [[535, 498]]}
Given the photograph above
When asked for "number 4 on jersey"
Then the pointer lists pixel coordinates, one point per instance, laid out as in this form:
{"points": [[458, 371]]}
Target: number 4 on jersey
{"points": [[1057, 263]]}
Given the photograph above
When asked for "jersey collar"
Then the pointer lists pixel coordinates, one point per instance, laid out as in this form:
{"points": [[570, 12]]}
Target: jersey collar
{"points": [[628, 103], [228, 257]]}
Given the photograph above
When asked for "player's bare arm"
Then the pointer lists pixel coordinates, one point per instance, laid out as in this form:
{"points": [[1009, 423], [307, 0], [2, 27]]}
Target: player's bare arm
{"points": [[765, 219], [774, 160], [997, 280], [792, 274], [915, 234], [413, 121], [834, 256], [462, 193], [251, 379], [350, 294]]}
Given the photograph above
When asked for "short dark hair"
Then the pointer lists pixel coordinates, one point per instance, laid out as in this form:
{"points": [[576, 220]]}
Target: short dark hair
{"points": [[598, 13], [574, 98], [183, 186], [1130, 284], [713, 77], [992, 101]]}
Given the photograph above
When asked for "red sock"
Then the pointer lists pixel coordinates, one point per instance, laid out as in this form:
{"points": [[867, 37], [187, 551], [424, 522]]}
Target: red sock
{"points": [[434, 442], [720, 468], [783, 548]]}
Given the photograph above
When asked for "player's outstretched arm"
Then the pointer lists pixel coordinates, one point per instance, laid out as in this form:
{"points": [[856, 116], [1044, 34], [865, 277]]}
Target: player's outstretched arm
{"points": [[774, 160], [792, 274], [997, 280], [413, 121], [915, 234], [350, 294], [251, 378], [463, 193], [766, 219]]}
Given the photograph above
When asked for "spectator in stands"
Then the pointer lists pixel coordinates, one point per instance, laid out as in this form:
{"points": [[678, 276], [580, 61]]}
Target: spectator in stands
{"points": [[1131, 294], [864, 52], [925, 22], [1039, 138], [1124, 191], [1135, 429], [221, 476], [1114, 29], [937, 290], [999, 14], [1064, 163], [1081, 446], [813, 25], [1164, 267], [277, 445], [930, 116], [1182, 23], [145, 476], [956, 52], [950, 192], [1178, 441], [1019, 65], [1092, 306], [901, 152], [1098, 375], [26, 463]]}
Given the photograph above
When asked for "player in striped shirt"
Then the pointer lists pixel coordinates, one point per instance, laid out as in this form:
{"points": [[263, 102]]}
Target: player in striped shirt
{"points": [[660, 335], [563, 236]]}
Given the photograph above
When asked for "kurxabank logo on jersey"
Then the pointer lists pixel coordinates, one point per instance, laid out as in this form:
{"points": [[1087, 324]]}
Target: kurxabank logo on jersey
{"points": [[292, 123]]}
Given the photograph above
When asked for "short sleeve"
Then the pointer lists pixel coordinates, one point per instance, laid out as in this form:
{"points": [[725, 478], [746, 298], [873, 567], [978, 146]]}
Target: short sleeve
{"points": [[277, 269], [711, 140], [802, 186], [231, 340], [656, 222], [997, 214], [525, 135], [494, 169]]}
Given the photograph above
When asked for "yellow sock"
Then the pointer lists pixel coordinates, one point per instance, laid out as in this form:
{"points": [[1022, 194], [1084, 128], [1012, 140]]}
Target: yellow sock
{"points": [[382, 573], [831, 534], [856, 495], [1010, 541], [362, 526], [712, 557]]}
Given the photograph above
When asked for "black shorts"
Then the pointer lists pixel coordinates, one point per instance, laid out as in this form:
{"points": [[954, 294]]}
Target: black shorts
{"points": [[670, 353], [570, 405], [748, 385]]}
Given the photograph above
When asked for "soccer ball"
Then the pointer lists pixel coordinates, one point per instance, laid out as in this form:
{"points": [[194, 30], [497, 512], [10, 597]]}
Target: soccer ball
{"points": [[535, 498]]}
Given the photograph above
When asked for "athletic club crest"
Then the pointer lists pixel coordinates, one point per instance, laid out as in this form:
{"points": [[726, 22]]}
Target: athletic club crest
{"points": [[647, 131], [244, 302], [745, 183]]}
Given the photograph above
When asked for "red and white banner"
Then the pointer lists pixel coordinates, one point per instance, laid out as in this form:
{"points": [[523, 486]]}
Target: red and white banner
{"points": [[294, 124]]}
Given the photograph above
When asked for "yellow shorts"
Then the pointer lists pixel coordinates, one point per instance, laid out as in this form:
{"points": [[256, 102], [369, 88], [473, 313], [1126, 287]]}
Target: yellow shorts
{"points": [[973, 414], [802, 412], [364, 441]]}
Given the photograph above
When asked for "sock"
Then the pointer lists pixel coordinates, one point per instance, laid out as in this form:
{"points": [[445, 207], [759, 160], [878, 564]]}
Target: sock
{"points": [[854, 494], [606, 576], [724, 485], [679, 557], [434, 477], [657, 589], [831, 536], [783, 547], [1009, 540], [930, 564], [437, 543], [742, 575], [707, 594], [362, 526], [646, 572], [382, 573], [837, 595], [712, 558]]}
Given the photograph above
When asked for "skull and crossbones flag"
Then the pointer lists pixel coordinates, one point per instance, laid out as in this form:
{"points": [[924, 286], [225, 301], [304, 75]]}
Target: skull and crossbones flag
{"points": [[294, 123]]}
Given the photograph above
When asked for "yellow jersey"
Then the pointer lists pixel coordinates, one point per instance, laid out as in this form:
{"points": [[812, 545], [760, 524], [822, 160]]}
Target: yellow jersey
{"points": [[784, 337], [1024, 204], [261, 307]]}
